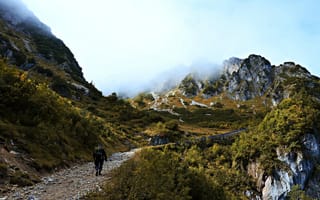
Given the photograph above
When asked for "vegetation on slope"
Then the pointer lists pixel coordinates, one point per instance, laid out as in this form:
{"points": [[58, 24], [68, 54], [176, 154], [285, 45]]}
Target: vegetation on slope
{"points": [[45, 127], [282, 127], [160, 174], [49, 131], [220, 171]]}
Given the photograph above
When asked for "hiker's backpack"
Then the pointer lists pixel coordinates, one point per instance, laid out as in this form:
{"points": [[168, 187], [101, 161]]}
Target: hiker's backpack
{"points": [[98, 154]]}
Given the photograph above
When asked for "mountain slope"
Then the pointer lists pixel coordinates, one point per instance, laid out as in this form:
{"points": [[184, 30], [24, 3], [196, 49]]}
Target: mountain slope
{"points": [[278, 156], [245, 79], [29, 44], [43, 129], [251, 86], [50, 116]]}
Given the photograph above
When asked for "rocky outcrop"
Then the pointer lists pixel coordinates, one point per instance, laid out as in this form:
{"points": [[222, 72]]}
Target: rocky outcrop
{"points": [[298, 171], [190, 86], [241, 79], [252, 78], [231, 65], [159, 140], [277, 186], [244, 79], [282, 86], [255, 170]]}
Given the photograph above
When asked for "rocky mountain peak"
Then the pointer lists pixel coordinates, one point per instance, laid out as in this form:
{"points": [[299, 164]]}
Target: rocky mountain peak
{"points": [[292, 70], [232, 65], [190, 85], [251, 79], [244, 79]]}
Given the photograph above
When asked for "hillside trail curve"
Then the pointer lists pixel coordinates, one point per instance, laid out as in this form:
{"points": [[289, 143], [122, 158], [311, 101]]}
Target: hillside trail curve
{"points": [[72, 183]]}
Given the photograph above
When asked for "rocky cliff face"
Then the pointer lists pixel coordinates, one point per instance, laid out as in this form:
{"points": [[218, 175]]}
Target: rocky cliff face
{"points": [[245, 79], [255, 77], [298, 170], [251, 79], [287, 77]]}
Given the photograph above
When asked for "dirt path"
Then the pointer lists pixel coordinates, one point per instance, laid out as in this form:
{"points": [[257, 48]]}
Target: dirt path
{"points": [[71, 183]]}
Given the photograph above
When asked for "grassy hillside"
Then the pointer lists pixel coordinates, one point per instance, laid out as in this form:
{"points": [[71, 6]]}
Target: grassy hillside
{"points": [[44, 130], [47, 130], [51, 117], [220, 171], [218, 113]]}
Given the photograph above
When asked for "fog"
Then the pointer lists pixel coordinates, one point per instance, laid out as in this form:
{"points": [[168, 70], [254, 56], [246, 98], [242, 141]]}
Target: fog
{"points": [[127, 46], [166, 80], [20, 13]]}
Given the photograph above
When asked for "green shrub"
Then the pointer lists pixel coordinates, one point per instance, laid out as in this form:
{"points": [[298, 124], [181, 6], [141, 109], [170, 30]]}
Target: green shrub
{"points": [[158, 174], [3, 170], [282, 127], [21, 179]]}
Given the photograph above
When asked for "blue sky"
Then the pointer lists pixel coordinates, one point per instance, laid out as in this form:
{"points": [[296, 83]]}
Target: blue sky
{"points": [[122, 45]]}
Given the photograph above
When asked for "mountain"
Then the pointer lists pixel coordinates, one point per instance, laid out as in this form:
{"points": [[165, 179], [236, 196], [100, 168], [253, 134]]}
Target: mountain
{"points": [[50, 116], [240, 80], [278, 156], [247, 131], [29, 44], [245, 79]]}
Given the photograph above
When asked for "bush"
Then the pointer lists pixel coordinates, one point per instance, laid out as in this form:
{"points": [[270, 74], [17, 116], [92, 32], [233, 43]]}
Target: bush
{"points": [[158, 174]]}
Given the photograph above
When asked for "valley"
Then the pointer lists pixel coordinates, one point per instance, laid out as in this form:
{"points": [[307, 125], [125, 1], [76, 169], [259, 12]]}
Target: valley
{"points": [[249, 130]]}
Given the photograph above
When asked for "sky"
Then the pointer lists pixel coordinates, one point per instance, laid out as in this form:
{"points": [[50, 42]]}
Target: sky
{"points": [[125, 45]]}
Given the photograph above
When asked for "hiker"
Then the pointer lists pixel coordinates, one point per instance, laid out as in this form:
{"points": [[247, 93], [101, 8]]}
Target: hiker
{"points": [[99, 155]]}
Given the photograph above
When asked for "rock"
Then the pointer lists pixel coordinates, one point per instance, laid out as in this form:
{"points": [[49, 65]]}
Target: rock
{"points": [[311, 145], [32, 198], [194, 103], [301, 165], [251, 79], [82, 88], [251, 195], [232, 65], [71, 183], [255, 171], [277, 186], [190, 86], [159, 140], [241, 79], [245, 79], [14, 152]]}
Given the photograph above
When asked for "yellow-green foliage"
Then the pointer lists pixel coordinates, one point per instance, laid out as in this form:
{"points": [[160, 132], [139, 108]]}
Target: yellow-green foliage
{"points": [[282, 127], [43, 124], [297, 193], [219, 118], [219, 171], [157, 174]]}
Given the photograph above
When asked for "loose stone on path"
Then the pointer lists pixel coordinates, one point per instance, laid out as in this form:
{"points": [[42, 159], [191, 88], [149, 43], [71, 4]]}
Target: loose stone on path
{"points": [[71, 183]]}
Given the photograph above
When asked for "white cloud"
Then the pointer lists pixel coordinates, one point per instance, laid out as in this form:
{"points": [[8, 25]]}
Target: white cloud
{"points": [[124, 43]]}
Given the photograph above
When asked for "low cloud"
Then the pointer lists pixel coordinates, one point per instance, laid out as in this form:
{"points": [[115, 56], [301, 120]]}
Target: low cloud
{"points": [[16, 12], [166, 80], [124, 45]]}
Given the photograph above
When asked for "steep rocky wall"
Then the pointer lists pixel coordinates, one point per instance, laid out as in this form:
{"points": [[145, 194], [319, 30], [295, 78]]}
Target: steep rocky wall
{"points": [[299, 171]]}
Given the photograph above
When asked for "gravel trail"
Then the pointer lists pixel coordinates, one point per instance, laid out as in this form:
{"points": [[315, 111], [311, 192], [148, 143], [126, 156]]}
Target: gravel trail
{"points": [[71, 183]]}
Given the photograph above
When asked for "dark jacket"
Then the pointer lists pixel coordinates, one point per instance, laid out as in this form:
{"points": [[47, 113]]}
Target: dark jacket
{"points": [[99, 154]]}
